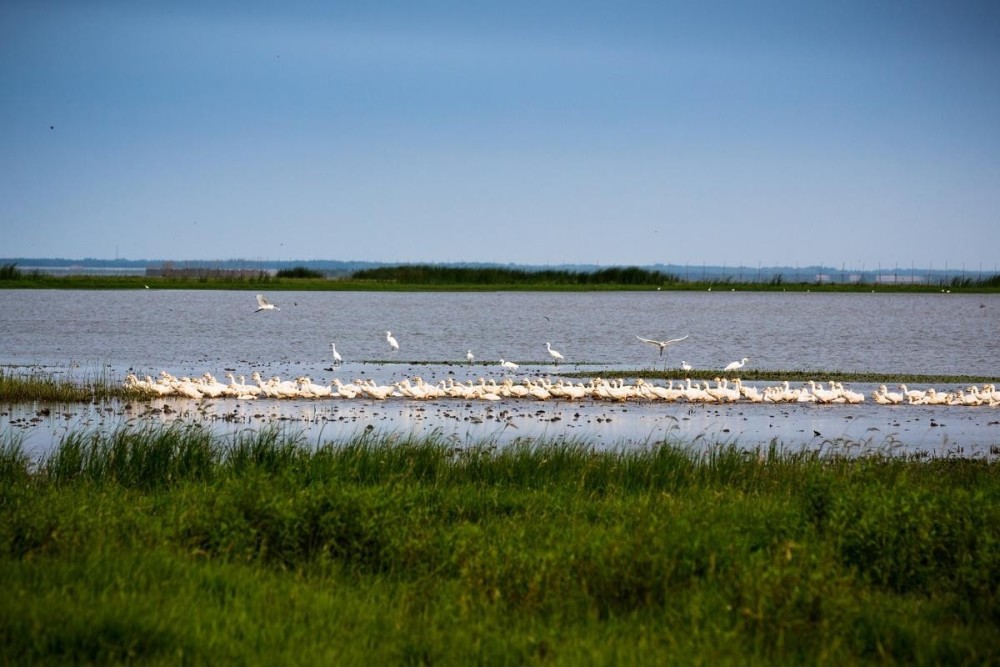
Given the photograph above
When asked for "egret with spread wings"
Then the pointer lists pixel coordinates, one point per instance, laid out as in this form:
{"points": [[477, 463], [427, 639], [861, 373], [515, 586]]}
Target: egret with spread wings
{"points": [[662, 344], [264, 304]]}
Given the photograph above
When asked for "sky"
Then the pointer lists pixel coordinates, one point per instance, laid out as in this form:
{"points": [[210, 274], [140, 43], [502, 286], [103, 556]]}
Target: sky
{"points": [[848, 133]]}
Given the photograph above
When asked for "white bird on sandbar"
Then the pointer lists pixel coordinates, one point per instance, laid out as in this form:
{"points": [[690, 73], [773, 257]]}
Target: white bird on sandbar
{"points": [[509, 365], [469, 356], [556, 357], [337, 359], [662, 344], [264, 304], [736, 365], [393, 343], [685, 366]]}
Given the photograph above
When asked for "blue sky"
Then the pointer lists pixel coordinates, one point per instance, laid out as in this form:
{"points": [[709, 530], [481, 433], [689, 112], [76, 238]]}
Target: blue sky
{"points": [[772, 133]]}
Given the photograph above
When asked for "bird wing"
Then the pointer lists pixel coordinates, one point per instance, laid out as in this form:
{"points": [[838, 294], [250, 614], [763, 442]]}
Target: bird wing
{"points": [[661, 343], [261, 301]]}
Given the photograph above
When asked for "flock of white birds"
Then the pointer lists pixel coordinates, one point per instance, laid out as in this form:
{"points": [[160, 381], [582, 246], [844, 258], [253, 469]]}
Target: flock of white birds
{"points": [[555, 355], [721, 390]]}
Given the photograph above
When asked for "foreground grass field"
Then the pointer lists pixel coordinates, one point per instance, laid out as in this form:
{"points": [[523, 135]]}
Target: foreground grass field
{"points": [[177, 547]]}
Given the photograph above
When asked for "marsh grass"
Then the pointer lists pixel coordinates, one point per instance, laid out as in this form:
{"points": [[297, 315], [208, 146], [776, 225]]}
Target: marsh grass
{"points": [[174, 545], [411, 278], [47, 387]]}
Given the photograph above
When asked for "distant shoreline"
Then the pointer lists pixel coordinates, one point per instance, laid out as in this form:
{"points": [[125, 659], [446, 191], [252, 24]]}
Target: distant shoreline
{"points": [[435, 277], [119, 282]]}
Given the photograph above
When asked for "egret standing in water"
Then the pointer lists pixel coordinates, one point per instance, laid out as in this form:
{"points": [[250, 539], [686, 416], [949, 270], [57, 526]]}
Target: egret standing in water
{"points": [[736, 365], [556, 357], [685, 366], [336, 355], [469, 356], [264, 304], [392, 341]]}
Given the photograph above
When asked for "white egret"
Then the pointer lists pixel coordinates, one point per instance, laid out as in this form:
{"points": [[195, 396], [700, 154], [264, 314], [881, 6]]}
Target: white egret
{"points": [[392, 341], [469, 356], [736, 365], [509, 365], [556, 357], [662, 344], [686, 366], [264, 304], [337, 359]]}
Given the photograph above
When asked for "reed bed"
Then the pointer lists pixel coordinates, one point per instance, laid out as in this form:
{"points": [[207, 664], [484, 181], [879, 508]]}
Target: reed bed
{"points": [[35, 385], [172, 545]]}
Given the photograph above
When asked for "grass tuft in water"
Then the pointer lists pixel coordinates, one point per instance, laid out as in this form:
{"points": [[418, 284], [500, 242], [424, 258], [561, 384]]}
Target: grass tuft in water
{"points": [[46, 387]]}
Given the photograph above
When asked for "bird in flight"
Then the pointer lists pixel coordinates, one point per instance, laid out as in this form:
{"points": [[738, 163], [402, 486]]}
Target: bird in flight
{"points": [[264, 304], [662, 344]]}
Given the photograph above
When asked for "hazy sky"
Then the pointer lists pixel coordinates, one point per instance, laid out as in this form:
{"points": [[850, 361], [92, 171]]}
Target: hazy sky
{"points": [[775, 133]]}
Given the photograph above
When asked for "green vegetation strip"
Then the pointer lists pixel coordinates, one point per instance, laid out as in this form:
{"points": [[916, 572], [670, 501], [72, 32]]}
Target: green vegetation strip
{"points": [[175, 546], [35, 385], [459, 279]]}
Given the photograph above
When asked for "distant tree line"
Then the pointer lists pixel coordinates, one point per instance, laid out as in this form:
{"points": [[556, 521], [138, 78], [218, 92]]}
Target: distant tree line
{"points": [[300, 272], [425, 274]]}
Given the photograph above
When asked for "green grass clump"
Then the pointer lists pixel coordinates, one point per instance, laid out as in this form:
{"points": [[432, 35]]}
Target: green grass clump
{"points": [[172, 545], [46, 387]]}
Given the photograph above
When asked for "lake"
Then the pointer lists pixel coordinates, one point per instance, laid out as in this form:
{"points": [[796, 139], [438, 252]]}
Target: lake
{"points": [[190, 332]]}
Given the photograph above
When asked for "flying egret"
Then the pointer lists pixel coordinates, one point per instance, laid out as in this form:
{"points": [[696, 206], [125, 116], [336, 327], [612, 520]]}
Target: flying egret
{"points": [[685, 366], [392, 341], [264, 304], [736, 365], [336, 355], [556, 357], [509, 365], [469, 356], [662, 344]]}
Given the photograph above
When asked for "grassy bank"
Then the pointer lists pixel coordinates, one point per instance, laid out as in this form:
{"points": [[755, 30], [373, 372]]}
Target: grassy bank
{"points": [[417, 279], [174, 546], [34, 385]]}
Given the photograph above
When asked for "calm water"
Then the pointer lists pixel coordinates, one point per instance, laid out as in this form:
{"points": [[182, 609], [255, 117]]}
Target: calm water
{"points": [[192, 332]]}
